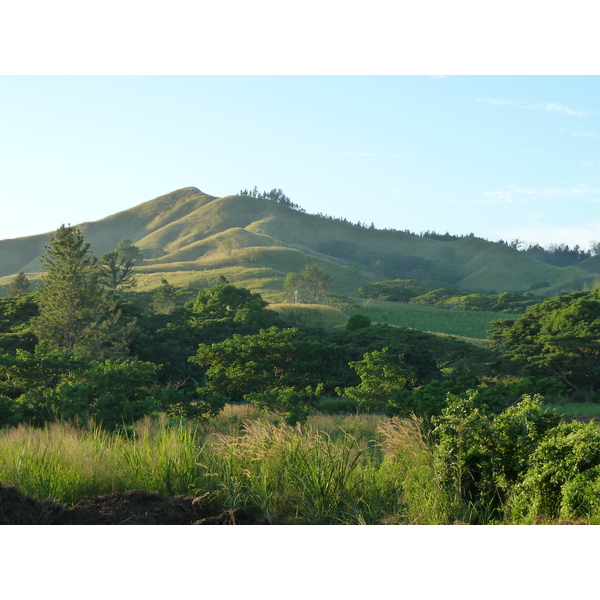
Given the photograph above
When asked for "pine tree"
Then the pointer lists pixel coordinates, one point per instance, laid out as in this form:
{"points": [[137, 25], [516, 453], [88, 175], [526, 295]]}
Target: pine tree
{"points": [[164, 298], [19, 285], [77, 314], [117, 266]]}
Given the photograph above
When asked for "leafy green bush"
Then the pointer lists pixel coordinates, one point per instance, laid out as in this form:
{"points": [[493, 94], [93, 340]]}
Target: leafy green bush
{"points": [[384, 375], [273, 359], [294, 404], [563, 479], [480, 456], [44, 386], [357, 321]]}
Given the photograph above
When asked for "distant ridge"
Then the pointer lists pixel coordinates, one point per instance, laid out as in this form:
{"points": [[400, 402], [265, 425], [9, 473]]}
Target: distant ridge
{"points": [[190, 238]]}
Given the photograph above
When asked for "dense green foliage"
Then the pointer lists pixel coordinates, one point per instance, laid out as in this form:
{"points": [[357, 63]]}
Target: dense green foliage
{"points": [[49, 385], [16, 313], [481, 455], [396, 290], [559, 338], [272, 359], [77, 313], [508, 302], [358, 321], [563, 478], [19, 285], [310, 284]]}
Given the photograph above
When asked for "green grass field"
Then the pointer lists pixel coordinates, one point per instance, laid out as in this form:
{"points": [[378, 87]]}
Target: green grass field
{"points": [[466, 324]]}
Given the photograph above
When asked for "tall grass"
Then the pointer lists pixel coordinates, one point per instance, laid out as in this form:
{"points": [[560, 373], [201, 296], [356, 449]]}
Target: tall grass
{"points": [[409, 450], [66, 463], [299, 475], [335, 469]]}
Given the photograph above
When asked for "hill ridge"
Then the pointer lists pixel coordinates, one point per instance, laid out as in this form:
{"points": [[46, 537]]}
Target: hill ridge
{"points": [[191, 237]]}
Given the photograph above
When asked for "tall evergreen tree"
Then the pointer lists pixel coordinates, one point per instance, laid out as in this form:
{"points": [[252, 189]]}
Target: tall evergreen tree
{"points": [[77, 314], [19, 285], [164, 298], [117, 266]]}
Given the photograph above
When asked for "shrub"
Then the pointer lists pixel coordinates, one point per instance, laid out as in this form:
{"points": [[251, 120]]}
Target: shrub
{"points": [[563, 479], [481, 456], [295, 405], [357, 321]]}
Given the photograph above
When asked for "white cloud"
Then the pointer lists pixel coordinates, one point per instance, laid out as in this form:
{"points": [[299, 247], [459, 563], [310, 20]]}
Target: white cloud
{"points": [[564, 110], [514, 193], [553, 107], [591, 163]]}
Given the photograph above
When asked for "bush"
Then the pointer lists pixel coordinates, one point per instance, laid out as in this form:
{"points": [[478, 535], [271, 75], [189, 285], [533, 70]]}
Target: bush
{"points": [[481, 456], [357, 321], [563, 479]]}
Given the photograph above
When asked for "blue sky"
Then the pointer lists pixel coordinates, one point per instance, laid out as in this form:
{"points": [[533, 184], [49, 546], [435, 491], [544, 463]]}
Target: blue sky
{"points": [[500, 156]]}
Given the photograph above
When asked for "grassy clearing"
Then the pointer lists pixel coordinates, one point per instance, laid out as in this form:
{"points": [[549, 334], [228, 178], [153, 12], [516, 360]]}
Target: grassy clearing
{"points": [[587, 410], [467, 324]]}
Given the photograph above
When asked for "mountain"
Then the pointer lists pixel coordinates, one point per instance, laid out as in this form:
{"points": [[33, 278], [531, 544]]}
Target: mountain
{"points": [[191, 238]]}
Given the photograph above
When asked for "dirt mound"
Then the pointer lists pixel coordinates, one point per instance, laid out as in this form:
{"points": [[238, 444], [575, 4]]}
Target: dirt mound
{"points": [[18, 509], [129, 508]]}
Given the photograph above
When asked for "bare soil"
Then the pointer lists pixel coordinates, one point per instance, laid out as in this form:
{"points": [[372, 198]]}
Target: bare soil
{"points": [[129, 508]]}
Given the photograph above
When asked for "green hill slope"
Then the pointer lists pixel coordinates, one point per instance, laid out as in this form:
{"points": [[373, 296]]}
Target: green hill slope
{"points": [[191, 238]]}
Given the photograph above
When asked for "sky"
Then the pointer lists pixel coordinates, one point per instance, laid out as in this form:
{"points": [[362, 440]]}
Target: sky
{"points": [[503, 157]]}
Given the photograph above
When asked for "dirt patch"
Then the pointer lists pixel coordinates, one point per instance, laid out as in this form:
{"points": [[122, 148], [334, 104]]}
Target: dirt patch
{"points": [[18, 509], [129, 508]]}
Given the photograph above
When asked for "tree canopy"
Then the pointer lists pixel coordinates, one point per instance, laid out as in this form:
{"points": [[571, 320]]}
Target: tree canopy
{"points": [[560, 338], [117, 266], [311, 283]]}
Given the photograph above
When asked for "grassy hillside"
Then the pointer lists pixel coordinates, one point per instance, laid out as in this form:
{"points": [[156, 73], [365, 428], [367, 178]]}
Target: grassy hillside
{"points": [[472, 325], [191, 238]]}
